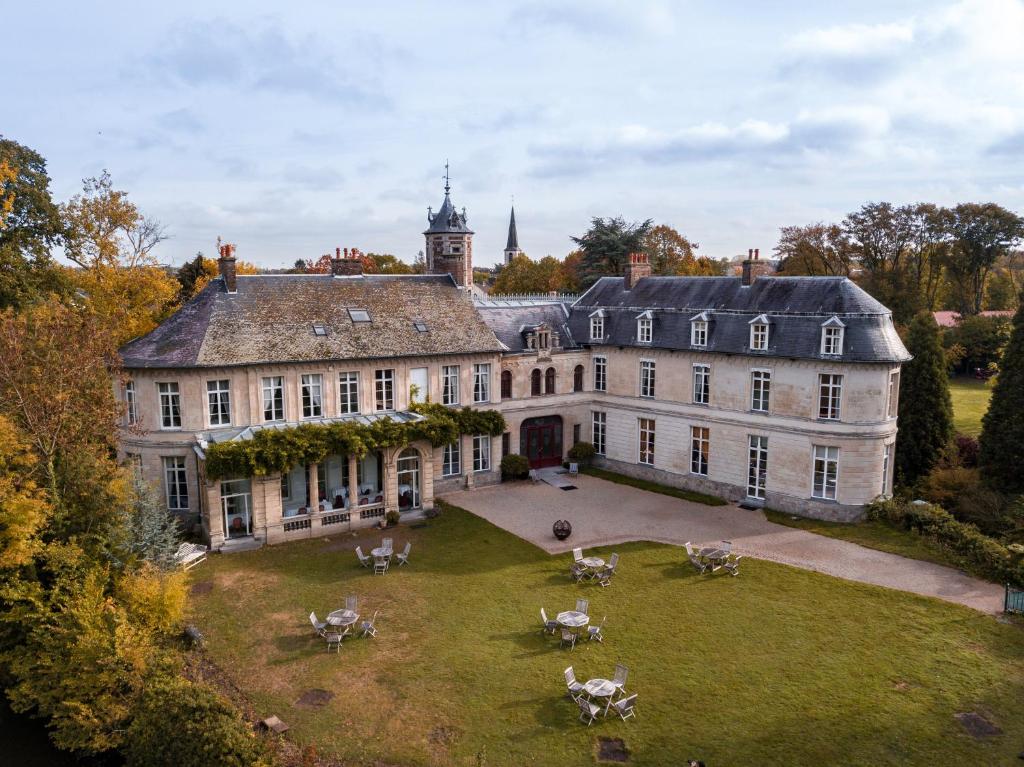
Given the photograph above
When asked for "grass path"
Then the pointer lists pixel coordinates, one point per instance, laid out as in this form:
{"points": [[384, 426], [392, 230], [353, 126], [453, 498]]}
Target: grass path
{"points": [[777, 667], [970, 401]]}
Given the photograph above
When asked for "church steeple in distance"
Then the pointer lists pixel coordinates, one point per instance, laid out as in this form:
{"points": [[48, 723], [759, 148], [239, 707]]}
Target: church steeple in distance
{"points": [[512, 244]]}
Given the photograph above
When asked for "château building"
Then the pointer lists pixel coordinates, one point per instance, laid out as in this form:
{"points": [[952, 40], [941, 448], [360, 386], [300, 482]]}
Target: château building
{"points": [[775, 391]]}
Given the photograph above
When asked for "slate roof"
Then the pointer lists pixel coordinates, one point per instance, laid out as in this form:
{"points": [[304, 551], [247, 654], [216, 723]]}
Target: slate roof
{"points": [[447, 219], [796, 307], [510, 323], [271, 317]]}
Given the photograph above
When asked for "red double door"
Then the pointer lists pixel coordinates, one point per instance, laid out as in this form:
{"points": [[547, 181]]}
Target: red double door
{"points": [[543, 443]]}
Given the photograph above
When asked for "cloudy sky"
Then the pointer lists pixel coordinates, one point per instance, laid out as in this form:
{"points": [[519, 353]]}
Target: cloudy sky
{"points": [[292, 128]]}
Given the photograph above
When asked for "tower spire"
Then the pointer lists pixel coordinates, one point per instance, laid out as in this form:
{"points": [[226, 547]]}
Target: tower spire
{"points": [[447, 186], [512, 244]]}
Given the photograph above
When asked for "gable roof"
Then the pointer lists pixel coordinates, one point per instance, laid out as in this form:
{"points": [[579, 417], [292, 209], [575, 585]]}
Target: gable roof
{"points": [[508, 321], [271, 318], [795, 306]]}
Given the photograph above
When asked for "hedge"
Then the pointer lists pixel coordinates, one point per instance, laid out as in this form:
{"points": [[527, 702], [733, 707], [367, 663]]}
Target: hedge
{"points": [[272, 451], [988, 556]]}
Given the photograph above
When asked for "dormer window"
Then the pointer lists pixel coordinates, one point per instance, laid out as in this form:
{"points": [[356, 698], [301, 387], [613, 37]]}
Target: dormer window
{"points": [[759, 334], [597, 326], [699, 330], [543, 339], [645, 328], [832, 337], [359, 315]]}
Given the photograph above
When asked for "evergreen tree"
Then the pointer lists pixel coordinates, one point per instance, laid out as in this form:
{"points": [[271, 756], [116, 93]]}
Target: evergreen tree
{"points": [[1002, 428], [606, 247], [153, 534], [925, 410]]}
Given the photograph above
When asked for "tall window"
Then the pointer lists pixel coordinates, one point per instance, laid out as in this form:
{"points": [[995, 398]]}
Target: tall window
{"points": [[700, 449], [760, 388], [577, 378], [273, 398], [506, 384], [600, 374], [886, 463], [286, 485], [646, 378], [894, 394], [699, 333], [451, 462], [597, 328], [757, 466], [647, 441], [348, 392], [830, 395], [644, 330], [535, 382], [549, 381], [826, 472], [384, 389], [170, 405], [482, 382], [599, 431], [218, 395], [176, 483], [832, 339], [450, 385], [481, 452], [312, 395], [759, 337], [129, 401], [701, 384]]}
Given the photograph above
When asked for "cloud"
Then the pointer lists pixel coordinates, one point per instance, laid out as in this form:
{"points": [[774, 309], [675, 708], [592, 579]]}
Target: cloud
{"points": [[591, 19], [1010, 146], [852, 40]]}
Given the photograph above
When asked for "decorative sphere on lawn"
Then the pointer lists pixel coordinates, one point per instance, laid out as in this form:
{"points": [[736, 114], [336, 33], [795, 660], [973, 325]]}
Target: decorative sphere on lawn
{"points": [[562, 529]]}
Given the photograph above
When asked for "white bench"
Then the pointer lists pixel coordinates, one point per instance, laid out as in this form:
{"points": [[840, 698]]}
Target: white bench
{"points": [[189, 555]]}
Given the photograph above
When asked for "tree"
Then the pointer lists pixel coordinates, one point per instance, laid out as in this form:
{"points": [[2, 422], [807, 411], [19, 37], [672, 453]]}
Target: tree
{"points": [[668, 251], [196, 274], [1002, 427], [982, 233], [881, 235], [29, 229], [523, 275], [23, 506], [814, 250], [151, 534], [606, 247], [927, 253], [925, 408], [981, 340], [385, 263]]}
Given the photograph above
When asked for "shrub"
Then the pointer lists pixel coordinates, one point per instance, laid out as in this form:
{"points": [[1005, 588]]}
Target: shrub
{"points": [[962, 493], [514, 466], [582, 452], [392, 517], [180, 724], [967, 451]]}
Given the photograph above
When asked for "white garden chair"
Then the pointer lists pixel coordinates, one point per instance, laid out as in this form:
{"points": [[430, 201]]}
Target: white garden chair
{"points": [[403, 556]]}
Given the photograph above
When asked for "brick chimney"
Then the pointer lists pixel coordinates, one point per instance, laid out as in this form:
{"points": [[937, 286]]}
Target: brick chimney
{"points": [[226, 266], [754, 267], [637, 268], [347, 265]]}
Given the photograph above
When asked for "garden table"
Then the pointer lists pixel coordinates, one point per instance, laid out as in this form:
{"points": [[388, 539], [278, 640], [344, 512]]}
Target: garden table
{"points": [[342, 618], [714, 553], [601, 688], [593, 562], [572, 619], [380, 551]]}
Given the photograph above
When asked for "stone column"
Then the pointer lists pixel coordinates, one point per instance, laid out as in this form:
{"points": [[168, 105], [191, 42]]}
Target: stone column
{"points": [[215, 518], [313, 482], [353, 483], [467, 458], [390, 469]]}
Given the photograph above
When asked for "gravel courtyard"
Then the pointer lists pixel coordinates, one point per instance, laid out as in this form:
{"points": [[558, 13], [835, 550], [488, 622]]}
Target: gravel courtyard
{"points": [[604, 513]]}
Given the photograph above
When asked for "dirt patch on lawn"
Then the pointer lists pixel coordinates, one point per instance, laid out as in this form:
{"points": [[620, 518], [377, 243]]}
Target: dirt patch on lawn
{"points": [[314, 698], [200, 588], [612, 750], [977, 726]]}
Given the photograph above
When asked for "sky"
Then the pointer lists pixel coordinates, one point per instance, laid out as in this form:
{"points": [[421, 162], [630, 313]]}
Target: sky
{"points": [[292, 129]]}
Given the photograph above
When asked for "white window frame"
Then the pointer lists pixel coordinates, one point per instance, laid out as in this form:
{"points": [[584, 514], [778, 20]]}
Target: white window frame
{"points": [[644, 329], [482, 382], [701, 372], [481, 452], [131, 407], [887, 449], [384, 390], [760, 390], [451, 459], [825, 472], [759, 334], [270, 385], [647, 379], [596, 327], [646, 432], [601, 373], [449, 384], [830, 396], [700, 450], [893, 403], [348, 392], [599, 431], [169, 397], [311, 386], [757, 466], [832, 332], [218, 401], [699, 330], [175, 482]]}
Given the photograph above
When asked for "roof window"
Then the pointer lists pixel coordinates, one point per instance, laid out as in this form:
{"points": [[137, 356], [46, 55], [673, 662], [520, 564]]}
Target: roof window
{"points": [[420, 326], [319, 329], [359, 315]]}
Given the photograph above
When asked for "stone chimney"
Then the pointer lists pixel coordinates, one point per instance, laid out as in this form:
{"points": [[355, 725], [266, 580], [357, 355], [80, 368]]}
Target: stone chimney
{"points": [[754, 267], [226, 266], [637, 268], [347, 265]]}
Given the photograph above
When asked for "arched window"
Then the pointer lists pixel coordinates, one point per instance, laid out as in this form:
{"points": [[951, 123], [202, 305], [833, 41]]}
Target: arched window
{"points": [[577, 378], [549, 381], [535, 382], [506, 384]]}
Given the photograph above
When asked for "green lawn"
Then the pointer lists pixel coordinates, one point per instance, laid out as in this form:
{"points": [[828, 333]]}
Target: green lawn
{"points": [[779, 666], [970, 401]]}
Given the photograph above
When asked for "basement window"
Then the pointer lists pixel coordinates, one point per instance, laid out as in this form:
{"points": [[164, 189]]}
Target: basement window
{"points": [[319, 329], [420, 326], [359, 315]]}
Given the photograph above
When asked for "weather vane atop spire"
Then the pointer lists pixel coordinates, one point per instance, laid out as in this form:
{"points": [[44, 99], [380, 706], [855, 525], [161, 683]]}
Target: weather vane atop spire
{"points": [[446, 184]]}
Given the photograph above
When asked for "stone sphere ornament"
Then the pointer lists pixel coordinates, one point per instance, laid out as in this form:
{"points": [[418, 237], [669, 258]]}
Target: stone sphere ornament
{"points": [[562, 529]]}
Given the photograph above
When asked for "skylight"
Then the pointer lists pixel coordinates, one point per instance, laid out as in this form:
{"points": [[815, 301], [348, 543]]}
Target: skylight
{"points": [[359, 315], [420, 326], [319, 329]]}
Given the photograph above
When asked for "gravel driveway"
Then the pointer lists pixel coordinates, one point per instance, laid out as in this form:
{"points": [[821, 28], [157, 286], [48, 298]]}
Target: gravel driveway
{"points": [[604, 513]]}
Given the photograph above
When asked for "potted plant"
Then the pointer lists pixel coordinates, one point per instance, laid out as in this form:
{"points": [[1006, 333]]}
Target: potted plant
{"points": [[392, 517]]}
